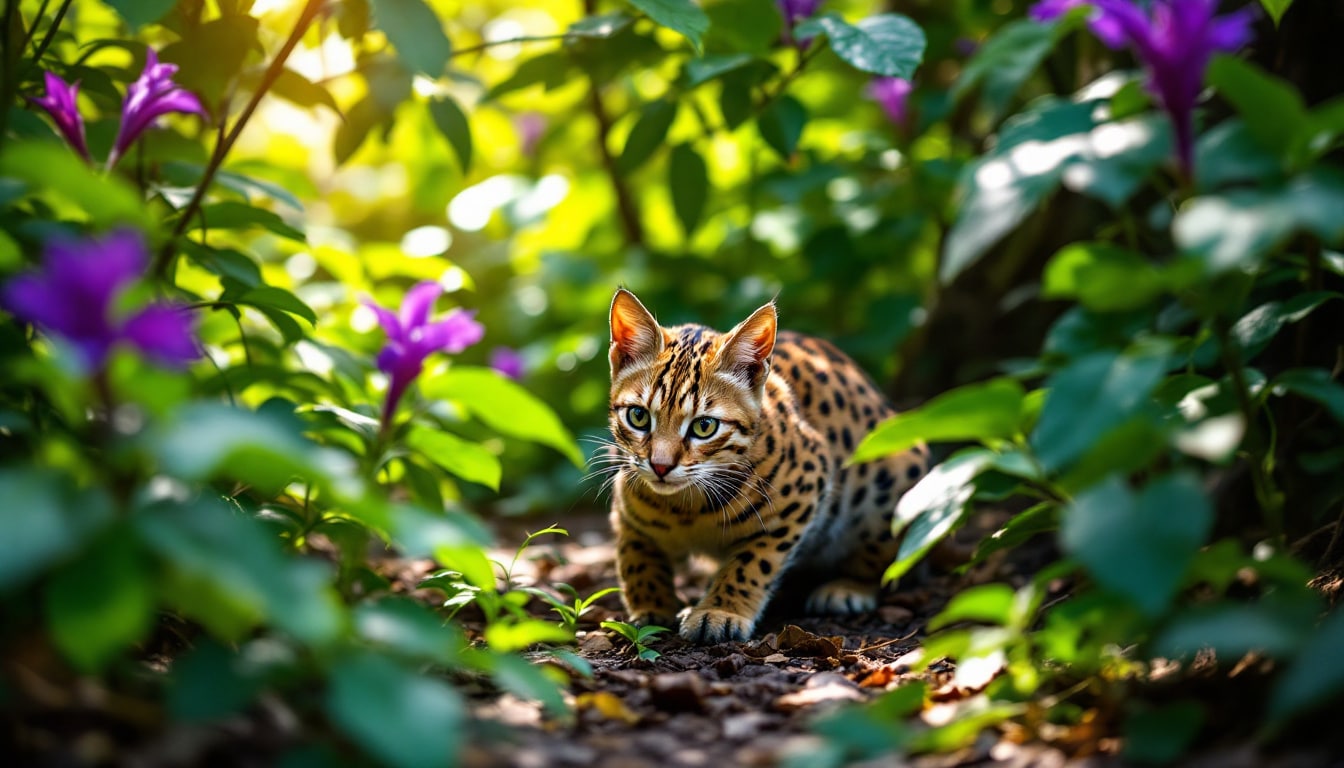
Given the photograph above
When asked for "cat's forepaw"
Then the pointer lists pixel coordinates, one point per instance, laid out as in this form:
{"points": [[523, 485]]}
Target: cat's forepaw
{"points": [[707, 626], [842, 597]]}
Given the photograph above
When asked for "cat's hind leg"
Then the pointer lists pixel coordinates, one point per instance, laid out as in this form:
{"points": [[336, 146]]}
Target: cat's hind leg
{"points": [[843, 597]]}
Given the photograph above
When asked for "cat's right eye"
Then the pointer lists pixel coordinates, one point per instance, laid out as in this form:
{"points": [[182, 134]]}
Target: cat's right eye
{"points": [[637, 417]]}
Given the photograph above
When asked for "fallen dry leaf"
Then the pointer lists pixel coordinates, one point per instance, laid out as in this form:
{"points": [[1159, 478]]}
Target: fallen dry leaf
{"points": [[796, 641], [608, 705]]}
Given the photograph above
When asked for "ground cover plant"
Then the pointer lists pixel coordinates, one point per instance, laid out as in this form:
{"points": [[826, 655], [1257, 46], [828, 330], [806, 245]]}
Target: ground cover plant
{"points": [[303, 306]]}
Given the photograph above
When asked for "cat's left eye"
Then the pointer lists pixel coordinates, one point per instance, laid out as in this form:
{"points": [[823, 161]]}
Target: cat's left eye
{"points": [[704, 427]]}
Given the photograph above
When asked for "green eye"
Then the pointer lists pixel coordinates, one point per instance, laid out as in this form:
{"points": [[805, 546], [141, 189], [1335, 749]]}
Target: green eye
{"points": [[704, 427], [638, 417]]}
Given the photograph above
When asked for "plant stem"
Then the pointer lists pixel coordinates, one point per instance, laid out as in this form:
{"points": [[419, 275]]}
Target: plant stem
{"points": [[222, 148], [28, 36], [10, 32], [625, 202], [51, 31], [1262, 480]]}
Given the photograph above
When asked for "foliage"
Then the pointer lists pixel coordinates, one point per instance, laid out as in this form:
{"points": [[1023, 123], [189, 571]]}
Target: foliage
{"points": [[638, 637]]}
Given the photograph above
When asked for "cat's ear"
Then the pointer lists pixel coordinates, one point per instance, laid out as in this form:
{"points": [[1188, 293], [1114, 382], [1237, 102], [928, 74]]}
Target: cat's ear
{"points": [[634, 332], [747, 351]]}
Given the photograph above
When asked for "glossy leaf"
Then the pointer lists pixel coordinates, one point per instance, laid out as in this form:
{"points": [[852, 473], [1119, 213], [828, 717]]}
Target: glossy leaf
{"points": [[138, 13], [234, 215], [688, 179], [884, 44], [1005, 62], [681, 16], [781, 125], [1313, 384], [647, 135], [416, 32], [506, 407], [988, 411], [453, 124], [934, 507], [469, 461], [1103, 277]]}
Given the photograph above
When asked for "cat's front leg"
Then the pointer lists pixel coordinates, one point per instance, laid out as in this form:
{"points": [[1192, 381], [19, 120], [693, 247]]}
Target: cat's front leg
{"points": [[647, 586], [738, 593]]}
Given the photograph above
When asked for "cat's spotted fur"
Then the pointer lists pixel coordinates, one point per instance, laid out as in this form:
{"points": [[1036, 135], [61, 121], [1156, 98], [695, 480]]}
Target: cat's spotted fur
{"points": [[765, 490]]}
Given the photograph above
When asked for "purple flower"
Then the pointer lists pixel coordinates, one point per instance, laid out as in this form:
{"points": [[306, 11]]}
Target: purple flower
{"points": [[507, 362], [793, 12], [412, 337], [1175, 39], [150, 97], [75, 294], [531, 126], [892, 93], [59, 102]]}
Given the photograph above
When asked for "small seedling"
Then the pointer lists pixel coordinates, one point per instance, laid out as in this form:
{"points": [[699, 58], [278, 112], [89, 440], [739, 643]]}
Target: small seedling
{"points": [[569, 613], [637, 636]]}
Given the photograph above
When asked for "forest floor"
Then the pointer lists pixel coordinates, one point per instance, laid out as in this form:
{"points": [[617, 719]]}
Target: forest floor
{"points": [[756, 703]]}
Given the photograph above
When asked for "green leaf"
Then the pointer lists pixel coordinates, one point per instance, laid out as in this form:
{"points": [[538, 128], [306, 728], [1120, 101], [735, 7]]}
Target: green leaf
{"points": [[361, 121], [885, 44], [711, 67], [270, 296], [469, 461], [1315, 676], [1236, 229], [408, 627], [1005, 61], [1276, 627], [1032, 158], [1139, 545], [1272, 108], [417, 34], [299, 90], [1254, 330], [743, 26], [550, 69], [48, 517], [681, 16], [986, 411], [647, 134], [934, 507], [989, 603], [505, 406], [106, 200], [781, 125], [688, 178], [210, 56], [210, 682], [102, 604], [1276, 9], [1159, 735], [1313, 384], [1103, 277], [1041, 518], [452, 123], [523, 679], [235, 215], [138, 13], [1091, 396], [400, 717]]}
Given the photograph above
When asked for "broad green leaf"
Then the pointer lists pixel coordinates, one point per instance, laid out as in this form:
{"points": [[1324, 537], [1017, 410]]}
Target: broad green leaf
{"points": [[210, 56], [1313, 384], [1103, 277], [1041, 518], [1090, 397], [781, 125], [1035, 154], [1315, 675], [934, 507], [409, 627], [47, 518], [104, 603], [1272, 108], [401, 717], [1005, 61], [504, 406], [105, 200], [138, 13], [297, 89], [1275, 626], [525, 680], [235, 215], [418, 533], [416, 32], [270, 296], [210, 682], [1159, 735], [1255, 329], [1139, 545], [452, 123], [1227, 154], [688, 178], [1236, 229], [885, 44], [647, 134], [711, 67], [743, 26], [469, 461], [987, 411], [1276, 9], [361, 121], [470, 561], [681, 16], [551, 69], [989, 603]]}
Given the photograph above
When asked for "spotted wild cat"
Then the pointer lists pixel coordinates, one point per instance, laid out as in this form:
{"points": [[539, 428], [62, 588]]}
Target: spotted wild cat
{"points": [[733, 445]]}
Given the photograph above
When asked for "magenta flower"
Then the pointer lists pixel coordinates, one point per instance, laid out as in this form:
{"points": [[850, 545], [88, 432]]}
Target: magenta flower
{"points": [[507, 362], [531, 126], [793, 12], [59, 102], [412, 337], [891, 94], [1175, 39], [75, 294], [150, 97]]}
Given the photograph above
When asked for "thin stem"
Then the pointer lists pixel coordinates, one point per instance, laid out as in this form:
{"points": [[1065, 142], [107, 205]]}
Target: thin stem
{"points": [[28, 36], [9, 62], [51, 31], [1262, 480], [626, 207], [564, 37], [277, 66]]}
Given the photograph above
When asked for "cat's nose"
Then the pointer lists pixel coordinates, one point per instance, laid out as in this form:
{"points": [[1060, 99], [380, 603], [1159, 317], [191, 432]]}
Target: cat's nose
{"points": [[660, 470]]}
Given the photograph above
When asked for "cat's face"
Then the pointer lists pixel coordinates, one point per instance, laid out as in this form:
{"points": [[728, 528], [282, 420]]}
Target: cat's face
{"points": [[686, 401]]}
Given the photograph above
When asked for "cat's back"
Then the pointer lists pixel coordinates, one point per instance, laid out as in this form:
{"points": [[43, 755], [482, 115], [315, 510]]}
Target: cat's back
{"points": [[831, 391]]}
